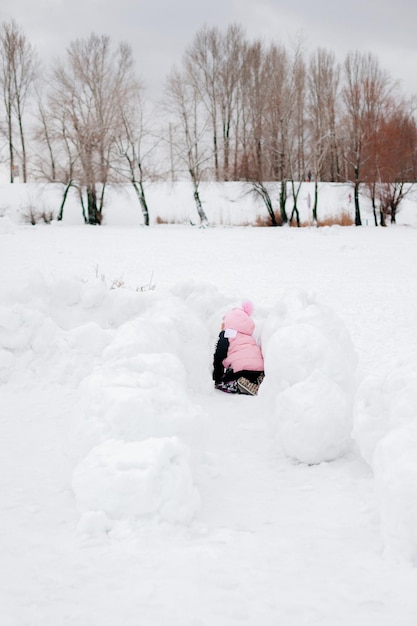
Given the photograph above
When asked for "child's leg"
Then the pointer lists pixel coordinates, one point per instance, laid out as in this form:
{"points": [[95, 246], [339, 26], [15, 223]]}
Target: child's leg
{"points": [[227, 386]]}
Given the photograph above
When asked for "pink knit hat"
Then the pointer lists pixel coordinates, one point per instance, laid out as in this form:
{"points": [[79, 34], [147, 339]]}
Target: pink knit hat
{"points": [[240, 320]]}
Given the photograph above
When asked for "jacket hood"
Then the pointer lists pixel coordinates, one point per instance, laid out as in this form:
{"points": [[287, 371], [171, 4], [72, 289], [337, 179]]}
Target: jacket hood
{"points": [[238, 320]]}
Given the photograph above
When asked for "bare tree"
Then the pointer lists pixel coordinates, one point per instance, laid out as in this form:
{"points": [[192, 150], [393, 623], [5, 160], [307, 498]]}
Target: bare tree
{"points": [[190, 144], [255, 81], [255, 159], [131, 147], [297, 135], [365, 93], [280, 115], [18, 66], [202, 67], [56, 157], [322, 109], [213, 64], [88, 88], [322, 118]]}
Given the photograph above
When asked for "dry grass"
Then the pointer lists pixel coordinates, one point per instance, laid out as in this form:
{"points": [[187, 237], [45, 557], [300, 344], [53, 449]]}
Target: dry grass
{"points": [[343, 219], [264, 221], [162, 220]]}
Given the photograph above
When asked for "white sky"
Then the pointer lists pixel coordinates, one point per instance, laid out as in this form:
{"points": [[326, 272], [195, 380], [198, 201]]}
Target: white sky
{"points": [[160, 30]]}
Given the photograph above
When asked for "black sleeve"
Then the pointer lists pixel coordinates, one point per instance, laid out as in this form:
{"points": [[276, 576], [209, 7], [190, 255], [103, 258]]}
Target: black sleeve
{"points": [[220, 353]]}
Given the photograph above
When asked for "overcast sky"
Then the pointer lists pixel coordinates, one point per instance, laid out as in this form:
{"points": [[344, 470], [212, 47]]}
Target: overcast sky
{"points": [[160, 30]]}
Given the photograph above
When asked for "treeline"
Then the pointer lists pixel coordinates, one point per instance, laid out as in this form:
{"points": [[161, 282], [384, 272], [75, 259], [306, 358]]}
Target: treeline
{"points": [[233, 109]]}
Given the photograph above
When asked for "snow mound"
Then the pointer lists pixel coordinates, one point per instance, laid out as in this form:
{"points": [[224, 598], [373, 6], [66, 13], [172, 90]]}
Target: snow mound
{"points": [[167, 326], [132, 480], [139, 397], [385, 400], [385, 430], [310, 366]]}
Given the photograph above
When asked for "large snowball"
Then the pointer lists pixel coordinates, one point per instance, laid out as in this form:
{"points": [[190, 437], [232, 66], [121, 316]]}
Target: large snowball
{"points": [[313, 420], [395, 468], [295, 351], [310, 366], [132, 480]]}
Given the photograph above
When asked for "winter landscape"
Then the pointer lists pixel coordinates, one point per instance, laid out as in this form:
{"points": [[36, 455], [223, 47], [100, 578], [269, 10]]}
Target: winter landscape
{"points": [[133, 492]]}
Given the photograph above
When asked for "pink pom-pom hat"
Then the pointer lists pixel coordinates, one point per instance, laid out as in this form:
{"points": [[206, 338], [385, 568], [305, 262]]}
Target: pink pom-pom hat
{"points": [[240, 320]]}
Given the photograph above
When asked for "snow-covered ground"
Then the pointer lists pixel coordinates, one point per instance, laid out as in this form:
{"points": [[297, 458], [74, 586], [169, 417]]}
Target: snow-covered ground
{"points": [[132, 492]]}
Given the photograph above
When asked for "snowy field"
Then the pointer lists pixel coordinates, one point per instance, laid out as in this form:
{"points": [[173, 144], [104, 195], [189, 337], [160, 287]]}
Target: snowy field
{"points": [[133, 493]]}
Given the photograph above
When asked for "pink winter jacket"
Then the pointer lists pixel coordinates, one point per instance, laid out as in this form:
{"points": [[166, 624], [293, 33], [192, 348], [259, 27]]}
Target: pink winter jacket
{"points": [[243, 353]]}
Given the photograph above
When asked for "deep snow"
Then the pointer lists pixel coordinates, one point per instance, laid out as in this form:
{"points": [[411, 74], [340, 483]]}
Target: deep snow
{"points": [[134, 493]]}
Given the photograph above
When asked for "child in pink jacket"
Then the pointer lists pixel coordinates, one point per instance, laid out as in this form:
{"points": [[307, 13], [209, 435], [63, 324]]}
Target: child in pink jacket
{"points": [[238, 365]]}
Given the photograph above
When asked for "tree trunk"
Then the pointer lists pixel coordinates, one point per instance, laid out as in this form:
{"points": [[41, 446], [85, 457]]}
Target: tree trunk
{"points": [[140, 193], [358, 221], [263, 192], [393, 214], [80, 193], [282, 202], [94, 214], [201, 213], [374, 208], [216, 156], [316, 201], [100, 208], [382, 217], [23, 146], [295, 212], [11, 149], [61, 208]]}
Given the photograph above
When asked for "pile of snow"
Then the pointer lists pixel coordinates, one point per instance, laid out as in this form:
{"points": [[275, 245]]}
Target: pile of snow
{"points": [[134, 357], [386, 400], [385, 429], [134, 480], [141, 396], [310, 365], [56, 329]]}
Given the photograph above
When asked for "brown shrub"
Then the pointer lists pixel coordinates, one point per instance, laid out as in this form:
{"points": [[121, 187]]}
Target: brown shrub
{"points": [[342, 219], [264, 220], [163, 220]]}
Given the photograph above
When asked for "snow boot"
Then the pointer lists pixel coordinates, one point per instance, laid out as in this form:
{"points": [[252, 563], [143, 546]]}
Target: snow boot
{"points": [[247, 387]]}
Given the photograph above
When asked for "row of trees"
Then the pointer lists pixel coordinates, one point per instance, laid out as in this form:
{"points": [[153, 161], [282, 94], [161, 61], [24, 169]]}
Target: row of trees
{"points": [[258, 112], [233, 109]]}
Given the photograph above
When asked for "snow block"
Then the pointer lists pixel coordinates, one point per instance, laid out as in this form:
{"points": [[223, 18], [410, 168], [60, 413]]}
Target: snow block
{"points": [[133, 480]]}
